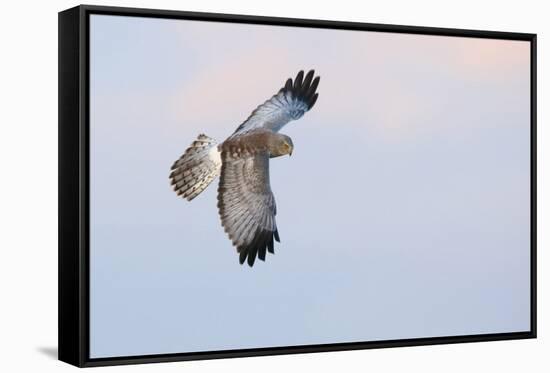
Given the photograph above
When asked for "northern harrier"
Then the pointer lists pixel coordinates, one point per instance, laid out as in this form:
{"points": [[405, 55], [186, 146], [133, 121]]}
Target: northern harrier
{"points": [[245, 202]]}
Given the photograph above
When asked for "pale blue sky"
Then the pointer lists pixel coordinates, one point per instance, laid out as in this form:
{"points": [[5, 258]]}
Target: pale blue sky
{"points": [[403, 211]]}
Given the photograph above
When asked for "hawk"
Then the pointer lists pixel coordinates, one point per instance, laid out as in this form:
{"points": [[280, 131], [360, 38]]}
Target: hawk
{"points": [[246, 203]]}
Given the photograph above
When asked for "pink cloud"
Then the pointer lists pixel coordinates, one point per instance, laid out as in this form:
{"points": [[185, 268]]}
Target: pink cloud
{"points": [[224, 95], [382, 80], [490, 59]]}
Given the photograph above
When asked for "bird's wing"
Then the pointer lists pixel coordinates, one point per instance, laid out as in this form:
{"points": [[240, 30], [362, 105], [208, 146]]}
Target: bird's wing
{"points": [[247, 205], [290, 103]]}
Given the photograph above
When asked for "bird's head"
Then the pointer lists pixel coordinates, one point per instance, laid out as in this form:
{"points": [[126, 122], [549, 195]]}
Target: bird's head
{"points": [[279, 145], [286, 146]]}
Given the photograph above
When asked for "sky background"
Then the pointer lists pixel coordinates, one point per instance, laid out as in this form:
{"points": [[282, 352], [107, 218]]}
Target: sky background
{"points": [[403, 211]]}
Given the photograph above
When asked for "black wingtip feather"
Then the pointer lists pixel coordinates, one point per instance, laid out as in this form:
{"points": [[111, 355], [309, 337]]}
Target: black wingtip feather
{"points": [[313, 100], [263, 245], [303, 88], [253, 250], [307, 82], [242, 256], [313, 87], [261, 254], [260, 245], [251, 258], [288, 85], [298, 80]]}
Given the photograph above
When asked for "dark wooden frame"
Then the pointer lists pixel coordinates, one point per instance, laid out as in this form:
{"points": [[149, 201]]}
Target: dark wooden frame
{"points": [[74, 184]]}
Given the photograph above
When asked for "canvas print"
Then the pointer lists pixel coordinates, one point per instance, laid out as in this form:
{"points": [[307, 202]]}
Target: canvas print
{"points": [[259, 186]]}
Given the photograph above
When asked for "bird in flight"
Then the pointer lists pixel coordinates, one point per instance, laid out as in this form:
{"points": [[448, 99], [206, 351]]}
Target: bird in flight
{"points": [[246, 203]]}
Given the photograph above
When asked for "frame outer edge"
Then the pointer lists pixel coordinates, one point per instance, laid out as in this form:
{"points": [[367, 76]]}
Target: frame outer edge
{"points": [[69, 219], [83, 186], [74, 346], [534, 185]]}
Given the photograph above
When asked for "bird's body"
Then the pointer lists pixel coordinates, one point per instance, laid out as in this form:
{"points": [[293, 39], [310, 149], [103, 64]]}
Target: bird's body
{"points": [[246, 203], [258, 141]]}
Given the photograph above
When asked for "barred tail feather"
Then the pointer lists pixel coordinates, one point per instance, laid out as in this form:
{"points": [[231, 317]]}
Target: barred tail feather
{"points": [[196, 168]]}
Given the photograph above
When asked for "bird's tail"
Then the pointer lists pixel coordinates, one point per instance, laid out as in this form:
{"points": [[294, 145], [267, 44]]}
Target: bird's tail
{"points": [[196, 168]]}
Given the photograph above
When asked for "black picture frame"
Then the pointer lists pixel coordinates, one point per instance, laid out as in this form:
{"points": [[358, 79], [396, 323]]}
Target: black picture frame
{"points": [[74, 184]]}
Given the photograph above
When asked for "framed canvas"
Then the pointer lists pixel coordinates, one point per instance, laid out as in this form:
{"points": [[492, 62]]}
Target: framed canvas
{"points": [[235, 186]]}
